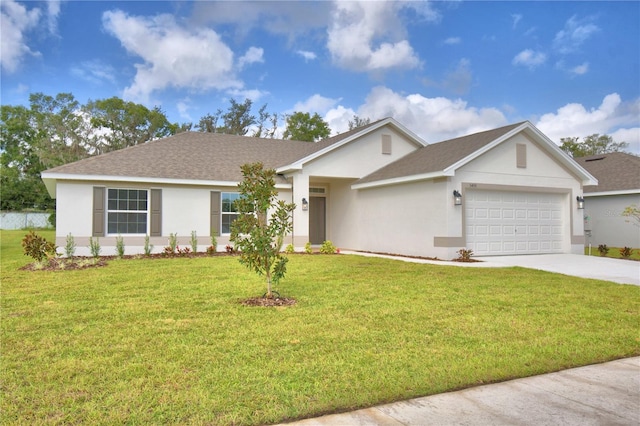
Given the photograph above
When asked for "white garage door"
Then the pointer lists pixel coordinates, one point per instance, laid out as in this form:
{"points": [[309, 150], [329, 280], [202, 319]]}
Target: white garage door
{"points": [[501, 222]]}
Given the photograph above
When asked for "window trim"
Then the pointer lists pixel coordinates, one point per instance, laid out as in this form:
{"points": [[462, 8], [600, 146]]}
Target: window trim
{"points": [[108, 211], [229, 213]]}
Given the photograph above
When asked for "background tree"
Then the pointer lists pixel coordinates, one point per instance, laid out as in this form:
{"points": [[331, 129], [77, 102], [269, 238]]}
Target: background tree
{"points": [[126, 124], [302, 126], [20, 167], [256, 235], [238, 118], [591, 145], [209, 123], [358, 122], [58, 130]]}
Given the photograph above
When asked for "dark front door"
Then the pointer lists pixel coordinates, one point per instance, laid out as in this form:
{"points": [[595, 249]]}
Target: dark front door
{"points": [[317, 220]]}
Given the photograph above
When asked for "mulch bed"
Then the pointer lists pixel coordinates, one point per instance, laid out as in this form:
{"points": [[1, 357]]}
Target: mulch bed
{"points": [[268, 302]]}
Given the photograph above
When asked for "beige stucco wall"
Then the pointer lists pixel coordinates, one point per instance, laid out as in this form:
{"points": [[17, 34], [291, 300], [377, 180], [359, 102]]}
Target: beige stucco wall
{"points": [[603, 217], [336, 171], [420, 218], [185, 208]]}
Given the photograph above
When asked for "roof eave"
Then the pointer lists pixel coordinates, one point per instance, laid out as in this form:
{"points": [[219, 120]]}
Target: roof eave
{"points": [[608, 193], [50, 180], [400, 180]]}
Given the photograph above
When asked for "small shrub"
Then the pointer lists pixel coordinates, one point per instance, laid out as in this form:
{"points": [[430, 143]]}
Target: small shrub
{"points": [[603, 249], [52, 219], [70, 247], [194, 242], [94, 247], [120, 246], [173, 243], [148, 247], [37, 247], [230, 249], [168, 251], [289, 249], [464, 255], [183, 251], [327, 247], [214, 243], [307, 248], [211, 250], [626, 252]]}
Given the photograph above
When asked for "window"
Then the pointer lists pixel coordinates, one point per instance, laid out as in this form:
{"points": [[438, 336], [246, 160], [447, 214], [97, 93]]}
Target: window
{"points": [[229, 210], [127, 211]]}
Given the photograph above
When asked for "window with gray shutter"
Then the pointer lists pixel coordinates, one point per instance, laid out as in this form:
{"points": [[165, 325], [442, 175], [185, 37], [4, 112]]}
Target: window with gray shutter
{"points": [[155, 227], [215, 213], [98, 211]]}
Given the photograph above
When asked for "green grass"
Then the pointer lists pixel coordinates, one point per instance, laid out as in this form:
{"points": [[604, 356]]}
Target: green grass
{"points": [[166, 341], [613, 252]]}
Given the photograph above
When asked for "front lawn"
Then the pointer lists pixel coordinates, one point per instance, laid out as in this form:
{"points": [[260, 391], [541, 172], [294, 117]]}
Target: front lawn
{"points": [[165, 340]]}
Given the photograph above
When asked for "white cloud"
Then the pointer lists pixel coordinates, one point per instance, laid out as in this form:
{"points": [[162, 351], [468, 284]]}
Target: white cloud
{"points": [[355, 34], [516, 18], [53, 10], [316, 103], [452, 40], [529, 58], [308, 56], [612, 117], [95, 72], [253, 55], [15, 22], [575, 33], [459, 80], [580, 69], [183, 108], [186, 58], [433, 119]]}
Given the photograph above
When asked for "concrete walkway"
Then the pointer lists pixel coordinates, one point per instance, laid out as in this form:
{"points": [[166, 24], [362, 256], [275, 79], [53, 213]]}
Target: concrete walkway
{"points": [[601, 394], [602, 268]]}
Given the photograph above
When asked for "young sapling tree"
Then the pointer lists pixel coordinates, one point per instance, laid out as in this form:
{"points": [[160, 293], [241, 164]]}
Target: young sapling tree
{"points": [[257, 235]]}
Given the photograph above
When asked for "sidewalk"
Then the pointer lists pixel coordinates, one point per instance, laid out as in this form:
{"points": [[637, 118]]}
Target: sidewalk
{"points": [[601, 394]]}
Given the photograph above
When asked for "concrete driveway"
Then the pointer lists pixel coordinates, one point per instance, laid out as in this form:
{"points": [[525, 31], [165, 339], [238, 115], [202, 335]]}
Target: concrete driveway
{"points": [[601, 268]]}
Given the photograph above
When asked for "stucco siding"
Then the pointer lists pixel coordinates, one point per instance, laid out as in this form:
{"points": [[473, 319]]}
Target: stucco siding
{"points": [[603, 218], [360, 157], [403, 219]]}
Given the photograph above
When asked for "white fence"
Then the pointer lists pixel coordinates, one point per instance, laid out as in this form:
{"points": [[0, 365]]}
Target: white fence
{"points": [[22, 220]]}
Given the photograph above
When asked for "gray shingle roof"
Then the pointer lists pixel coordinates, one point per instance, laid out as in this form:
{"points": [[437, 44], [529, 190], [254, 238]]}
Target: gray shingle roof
{"points": [[191, 156], [438, 156], [617, 171]]}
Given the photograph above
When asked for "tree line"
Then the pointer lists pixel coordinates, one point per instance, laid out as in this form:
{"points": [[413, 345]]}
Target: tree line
{"points": [[56, 130]]}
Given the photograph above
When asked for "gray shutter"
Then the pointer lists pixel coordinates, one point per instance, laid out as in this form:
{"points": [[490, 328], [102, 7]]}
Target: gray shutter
{"points": [[215, 213], [98, 211], [155, 227]]}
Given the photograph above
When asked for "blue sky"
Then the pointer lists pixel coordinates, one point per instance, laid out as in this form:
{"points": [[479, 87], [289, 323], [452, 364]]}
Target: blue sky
{"points": [[443, 69]]}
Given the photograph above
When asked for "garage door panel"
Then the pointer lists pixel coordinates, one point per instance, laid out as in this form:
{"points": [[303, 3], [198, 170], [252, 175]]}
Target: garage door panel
{"points": [[503, 222]]}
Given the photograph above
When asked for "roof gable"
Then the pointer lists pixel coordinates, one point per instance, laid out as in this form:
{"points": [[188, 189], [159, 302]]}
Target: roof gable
{"points": [[616, 171], [444, 158]]}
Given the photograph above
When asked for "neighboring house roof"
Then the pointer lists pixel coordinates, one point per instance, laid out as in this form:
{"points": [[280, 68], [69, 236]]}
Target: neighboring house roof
{"points": [[617, 172], [444, 158]]}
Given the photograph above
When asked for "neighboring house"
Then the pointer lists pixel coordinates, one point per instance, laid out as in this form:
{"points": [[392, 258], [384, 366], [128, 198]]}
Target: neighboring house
{"points": [[618, 187], [376, 188]]}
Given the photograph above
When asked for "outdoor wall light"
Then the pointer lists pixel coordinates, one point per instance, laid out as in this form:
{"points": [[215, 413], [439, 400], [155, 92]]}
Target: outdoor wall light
{"points": [[580, 201], [305, 204], [457, 198]]}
